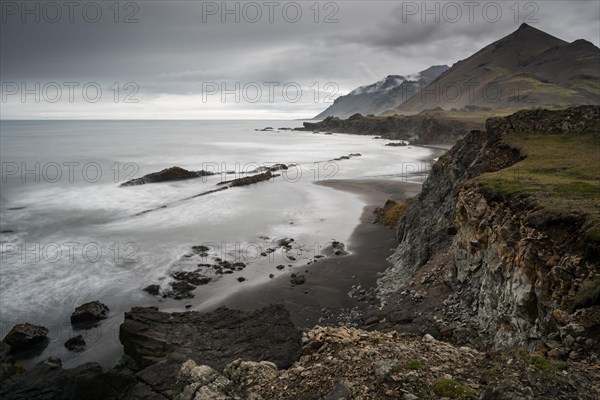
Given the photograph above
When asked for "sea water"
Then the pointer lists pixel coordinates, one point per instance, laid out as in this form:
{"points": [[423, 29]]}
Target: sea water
{"points": [[71, 234]]}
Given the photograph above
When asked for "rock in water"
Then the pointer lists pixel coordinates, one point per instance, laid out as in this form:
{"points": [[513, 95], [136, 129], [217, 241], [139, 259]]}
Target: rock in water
{"points": [[24, 336], [89, 312], [76, 344], [214, 339], [167, 174]]}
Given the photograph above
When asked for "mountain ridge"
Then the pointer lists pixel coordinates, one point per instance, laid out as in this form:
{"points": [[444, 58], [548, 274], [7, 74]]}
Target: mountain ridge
{"points": [[526, 68]]}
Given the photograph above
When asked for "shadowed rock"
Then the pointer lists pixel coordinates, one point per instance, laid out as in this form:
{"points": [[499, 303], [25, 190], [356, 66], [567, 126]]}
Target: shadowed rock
{"points": [[215, 338], [25, 336]]}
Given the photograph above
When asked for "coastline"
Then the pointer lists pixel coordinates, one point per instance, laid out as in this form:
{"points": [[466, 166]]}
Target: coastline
{"points": [[329, 280]]}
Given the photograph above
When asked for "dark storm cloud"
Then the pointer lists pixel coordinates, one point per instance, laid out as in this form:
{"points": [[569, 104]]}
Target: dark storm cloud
{"points": [[172, 51]]}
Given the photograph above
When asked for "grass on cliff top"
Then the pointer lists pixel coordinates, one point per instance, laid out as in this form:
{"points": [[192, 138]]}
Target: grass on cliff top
{"points": [[561, 172]]}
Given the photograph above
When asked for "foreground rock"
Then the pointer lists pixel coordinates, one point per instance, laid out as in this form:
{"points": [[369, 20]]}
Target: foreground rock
{"points": [[166, 175], [162, 354], [26, 336], [89, 313], [8, 366], [49, 381], [342, 363], [215, 338]]}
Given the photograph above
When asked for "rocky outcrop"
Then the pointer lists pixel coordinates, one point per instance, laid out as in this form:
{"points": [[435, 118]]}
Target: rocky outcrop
{"points": [[502, 268], [418, 129], [215, 338], [166, 175], [89, 313], [26, 336]]}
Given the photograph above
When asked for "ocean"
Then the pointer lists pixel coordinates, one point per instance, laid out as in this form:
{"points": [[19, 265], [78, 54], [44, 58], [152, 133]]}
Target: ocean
{"points": [[71, 234]]}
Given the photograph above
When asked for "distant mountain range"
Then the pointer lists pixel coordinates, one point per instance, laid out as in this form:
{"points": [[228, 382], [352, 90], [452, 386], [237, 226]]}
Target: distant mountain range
{"points": [[528, 68], [384, 95]]}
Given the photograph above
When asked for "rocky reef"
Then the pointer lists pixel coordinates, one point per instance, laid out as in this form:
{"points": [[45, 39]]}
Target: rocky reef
{"points": [[492, 269], [167, 175]]}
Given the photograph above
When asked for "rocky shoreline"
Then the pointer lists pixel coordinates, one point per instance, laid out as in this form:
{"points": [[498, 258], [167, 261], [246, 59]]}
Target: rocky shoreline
{"points": [[477, 304]]}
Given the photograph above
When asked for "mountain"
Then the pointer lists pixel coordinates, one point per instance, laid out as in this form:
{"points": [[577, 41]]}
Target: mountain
{"points": [[528, 68], [386, 94]]}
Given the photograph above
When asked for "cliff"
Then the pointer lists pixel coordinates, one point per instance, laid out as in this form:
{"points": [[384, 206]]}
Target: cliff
{"points": [[506, 258]]}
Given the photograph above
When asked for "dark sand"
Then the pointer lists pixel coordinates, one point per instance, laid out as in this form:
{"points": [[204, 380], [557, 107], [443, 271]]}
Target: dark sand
{"points": [[329, 280]]}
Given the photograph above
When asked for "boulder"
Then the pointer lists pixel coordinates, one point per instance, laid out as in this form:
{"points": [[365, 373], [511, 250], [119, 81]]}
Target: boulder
{"points": [[89, 312], [25, 336], [76, 344]]}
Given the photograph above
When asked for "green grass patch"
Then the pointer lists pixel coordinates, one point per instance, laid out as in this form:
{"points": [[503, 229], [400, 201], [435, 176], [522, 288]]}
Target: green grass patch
{"points": [[543, 364], [588, 294], [413, 365], [451, 388], [560, 172]]}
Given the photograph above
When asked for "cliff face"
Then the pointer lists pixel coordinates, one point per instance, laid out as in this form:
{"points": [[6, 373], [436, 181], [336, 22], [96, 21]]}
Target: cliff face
{"points": [[509, 267]]}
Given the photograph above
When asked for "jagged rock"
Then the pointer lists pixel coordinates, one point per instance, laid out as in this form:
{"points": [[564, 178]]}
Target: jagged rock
{"points": [[201, 382], [244, 373], [89, 312], [26, 336], [167, 174]]}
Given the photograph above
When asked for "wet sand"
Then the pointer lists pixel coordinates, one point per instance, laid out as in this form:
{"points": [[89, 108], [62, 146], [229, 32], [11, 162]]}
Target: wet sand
{"points": [[329, 280]]}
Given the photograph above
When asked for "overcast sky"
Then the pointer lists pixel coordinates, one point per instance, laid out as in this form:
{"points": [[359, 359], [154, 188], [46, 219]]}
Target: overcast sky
{"points": [[175, 57]]}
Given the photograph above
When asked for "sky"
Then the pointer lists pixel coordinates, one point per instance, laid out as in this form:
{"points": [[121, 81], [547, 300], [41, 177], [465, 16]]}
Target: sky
{"points": [[241, 60]]}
